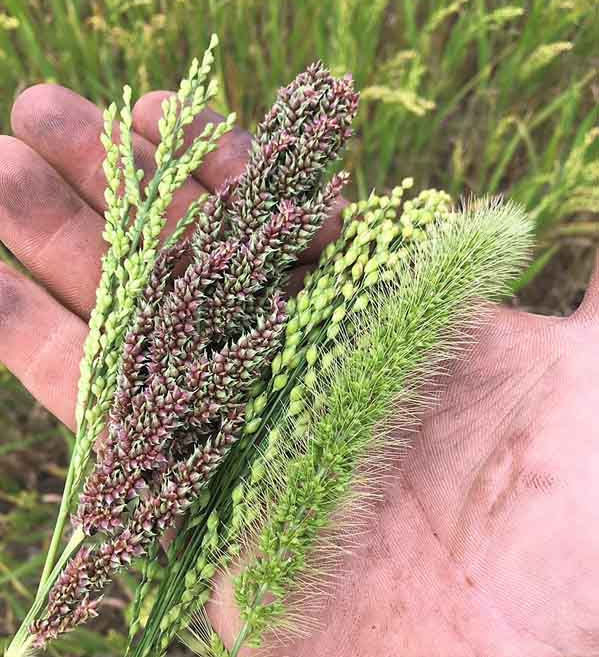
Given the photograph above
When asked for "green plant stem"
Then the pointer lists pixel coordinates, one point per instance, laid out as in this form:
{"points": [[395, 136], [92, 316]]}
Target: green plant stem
{"points": [[61, 521], [71, 483], [239, 641], [151, 194]]}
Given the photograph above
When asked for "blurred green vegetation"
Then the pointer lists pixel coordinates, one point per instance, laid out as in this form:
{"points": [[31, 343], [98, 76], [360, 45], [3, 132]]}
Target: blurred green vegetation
{"points": [[475, 96]]}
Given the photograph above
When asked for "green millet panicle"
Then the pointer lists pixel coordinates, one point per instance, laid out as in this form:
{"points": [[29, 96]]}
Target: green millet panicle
{"points": [[150, 569], [198, 587]]}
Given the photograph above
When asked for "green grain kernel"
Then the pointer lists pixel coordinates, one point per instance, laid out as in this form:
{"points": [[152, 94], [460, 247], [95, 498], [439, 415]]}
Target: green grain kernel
{"points": [[311, 355], [288, 354], [333, 331], [260, 403], [292, 326], [352, 229], [296, 393], [279, 382], [357, 270], [190, 578], [305, 317], [348, 289], [276, 364], [310, 378], [291, 307], [208, 571], [329, 251], [303, 301], [258, 470], [212, 522], [361, 303], [274, 435], [237, 494], [338, 315], [327, 360], [321, 301], [371, 279], [254, 425], [381, 257], [371, 265], [323, 282], [295, 408]]}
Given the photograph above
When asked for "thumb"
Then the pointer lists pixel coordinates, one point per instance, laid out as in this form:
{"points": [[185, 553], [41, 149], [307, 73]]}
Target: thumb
{"points": [[589, 309]]}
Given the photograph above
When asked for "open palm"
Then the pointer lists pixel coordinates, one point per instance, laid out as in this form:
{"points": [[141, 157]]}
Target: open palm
{"points": [[484, 547], [487, 544]]}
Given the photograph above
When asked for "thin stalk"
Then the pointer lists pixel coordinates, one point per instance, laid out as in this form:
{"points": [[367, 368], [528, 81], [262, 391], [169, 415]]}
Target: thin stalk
{"points": [[61, 521], [239, 641], [63, 512]]}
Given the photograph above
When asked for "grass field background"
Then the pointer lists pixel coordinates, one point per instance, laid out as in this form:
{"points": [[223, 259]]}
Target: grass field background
{"points": [[474, 96]]}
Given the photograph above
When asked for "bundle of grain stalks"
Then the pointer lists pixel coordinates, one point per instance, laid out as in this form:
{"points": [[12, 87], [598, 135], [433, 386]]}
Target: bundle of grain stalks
{"points": [[206, 393]]}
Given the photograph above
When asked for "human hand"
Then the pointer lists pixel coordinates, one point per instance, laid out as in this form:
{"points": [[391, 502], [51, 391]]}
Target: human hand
{"points": [[483, 547], [487, 543]]}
